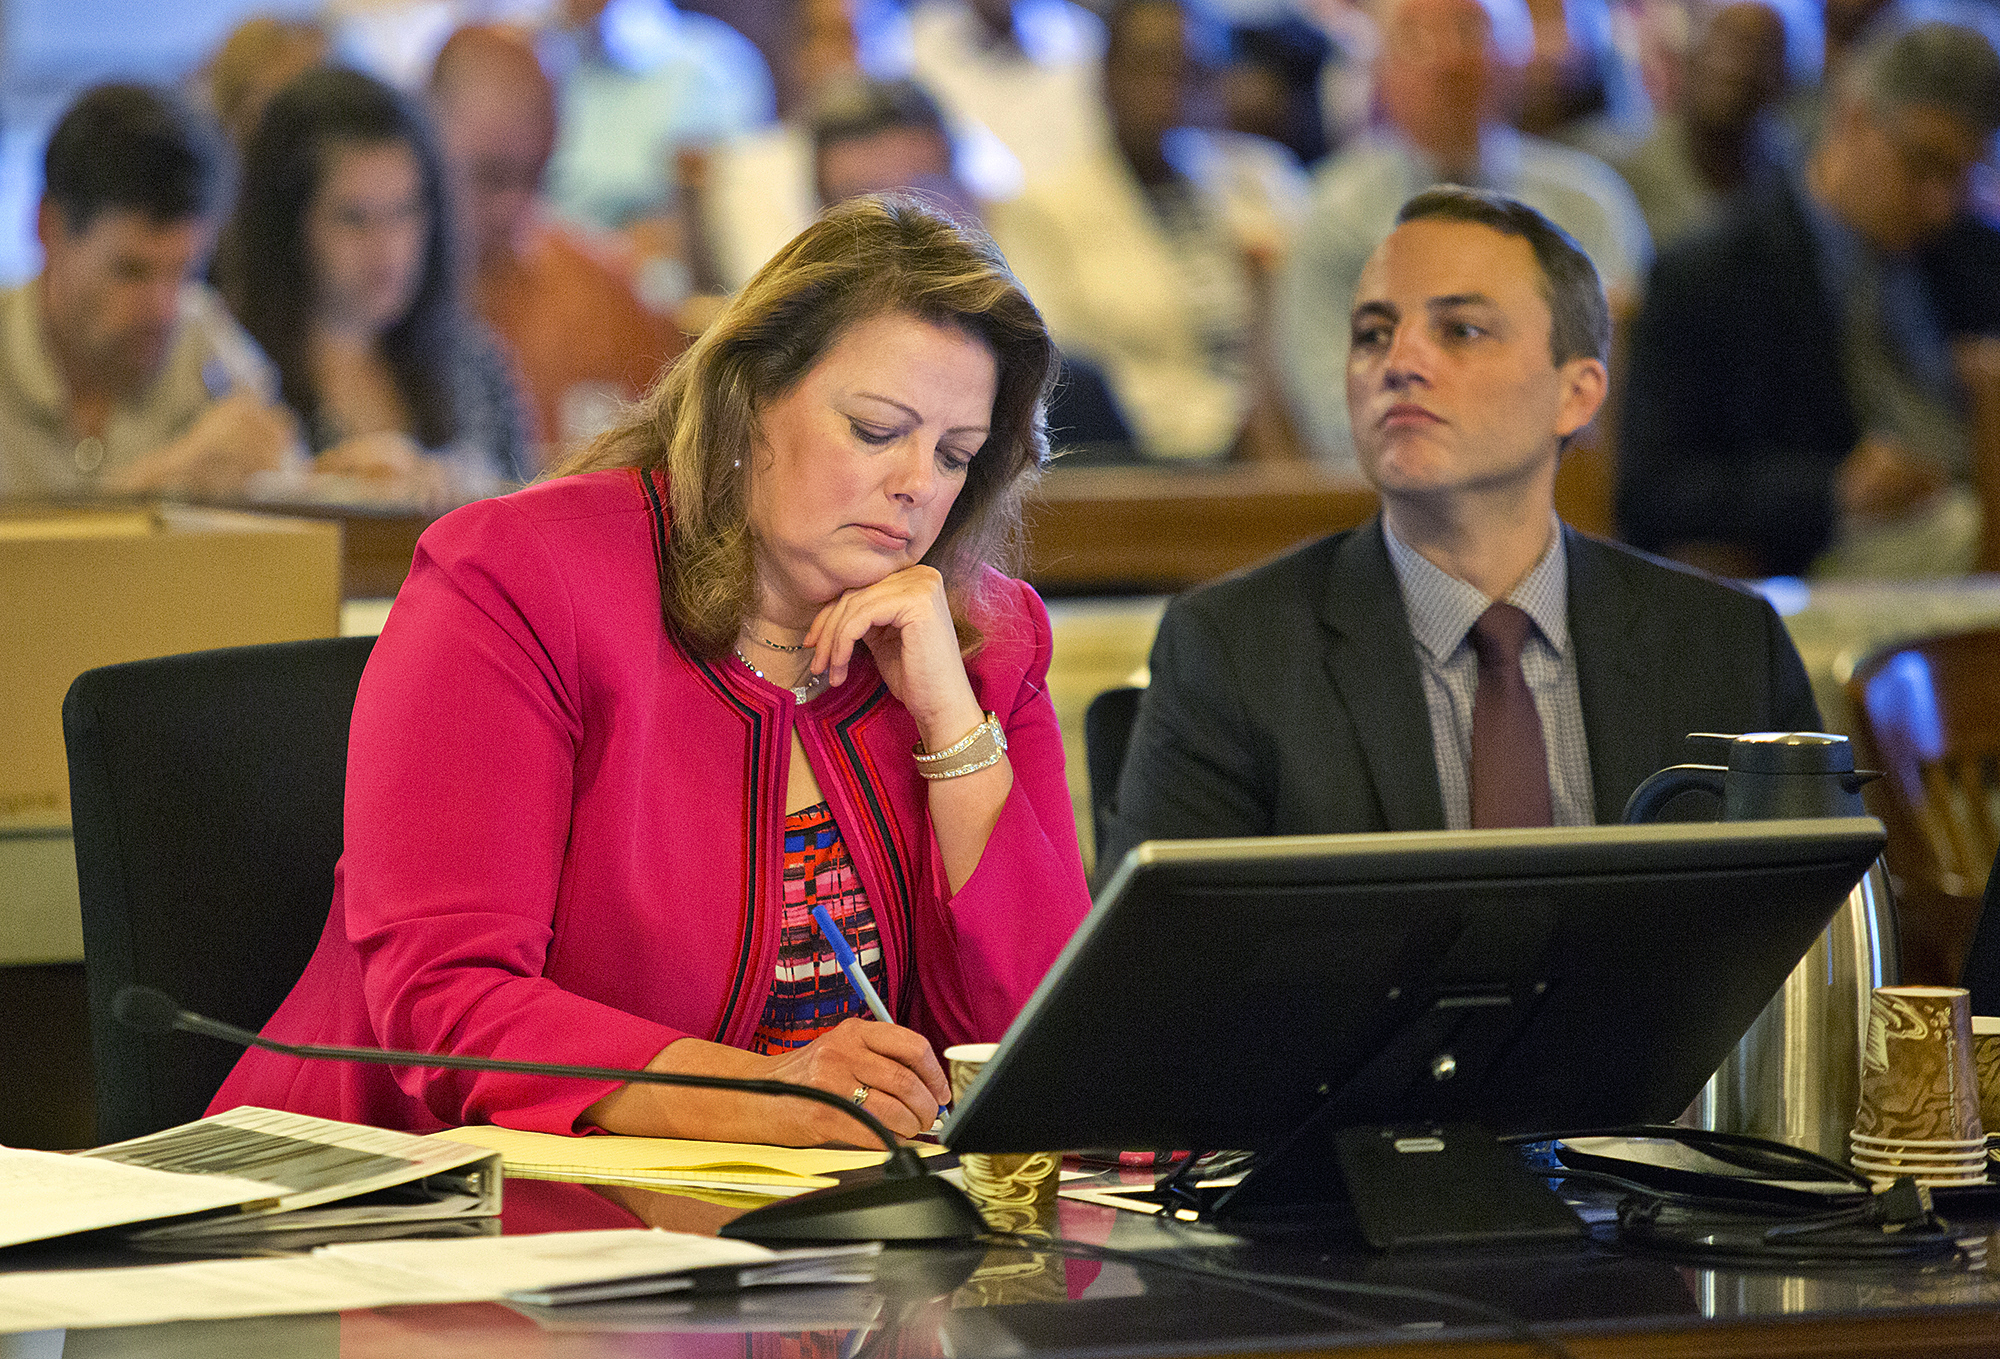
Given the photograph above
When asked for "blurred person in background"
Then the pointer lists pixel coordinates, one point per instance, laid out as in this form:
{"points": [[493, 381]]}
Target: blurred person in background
{"points": [[1444, 79], [886, 132], [1847, 22], [261, 56], [119, 371], [872, 136], [646, 91], [1149, 257], [1573, 79], [1814, 383], [640, 80], [1722, 137], [562, 301], [879, 136], [1025, 70], [1347, 78], [757, 189], [339, 261], [1270, 85], [1579, 85]]}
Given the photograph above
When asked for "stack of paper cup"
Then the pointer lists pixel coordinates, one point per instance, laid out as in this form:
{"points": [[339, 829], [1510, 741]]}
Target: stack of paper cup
{"points": [[1986, 1060], [1933, 1163], [1919, 1111]]}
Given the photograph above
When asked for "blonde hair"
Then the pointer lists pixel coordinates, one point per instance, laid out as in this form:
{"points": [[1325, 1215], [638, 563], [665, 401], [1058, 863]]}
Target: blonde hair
{"points": [[863, 258], [260, 56]]}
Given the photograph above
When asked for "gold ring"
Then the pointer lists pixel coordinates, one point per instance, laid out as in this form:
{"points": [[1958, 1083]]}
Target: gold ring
{"points": [[860, 1096]]}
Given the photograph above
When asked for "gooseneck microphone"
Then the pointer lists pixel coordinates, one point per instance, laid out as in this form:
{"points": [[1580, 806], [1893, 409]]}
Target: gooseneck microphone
{"points": [[143, 1008], [907, 1204]]}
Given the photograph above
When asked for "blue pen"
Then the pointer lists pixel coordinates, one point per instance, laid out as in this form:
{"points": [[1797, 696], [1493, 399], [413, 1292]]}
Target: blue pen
{"points": [[843, 953]]}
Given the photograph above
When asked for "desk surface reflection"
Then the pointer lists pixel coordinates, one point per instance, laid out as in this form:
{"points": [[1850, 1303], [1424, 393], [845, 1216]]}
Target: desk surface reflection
{"points": [[1017, 1301]]}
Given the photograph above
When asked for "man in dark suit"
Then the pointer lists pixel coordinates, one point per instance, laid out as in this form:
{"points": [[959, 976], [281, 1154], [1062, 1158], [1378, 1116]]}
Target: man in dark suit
{"points": [[1793, 381], [1464, 659]]}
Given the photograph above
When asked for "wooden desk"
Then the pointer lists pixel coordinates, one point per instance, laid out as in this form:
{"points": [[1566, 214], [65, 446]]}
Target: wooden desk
{"points": [[1137, 530], [376, 545], [1096, 530], [1090, 530]]}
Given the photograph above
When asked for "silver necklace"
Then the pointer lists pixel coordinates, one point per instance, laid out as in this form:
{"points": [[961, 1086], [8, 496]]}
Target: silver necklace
{"points": [[803, 691]]}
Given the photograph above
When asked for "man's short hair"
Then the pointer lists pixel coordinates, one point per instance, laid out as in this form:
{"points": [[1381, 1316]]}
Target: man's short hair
{"points": [[135, 148], [1937, 65], [1579, 314], [856, 107]]}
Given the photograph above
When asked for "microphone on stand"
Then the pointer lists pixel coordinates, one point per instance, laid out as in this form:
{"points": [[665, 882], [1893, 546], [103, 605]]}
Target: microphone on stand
{"points": [[907, 1204]]}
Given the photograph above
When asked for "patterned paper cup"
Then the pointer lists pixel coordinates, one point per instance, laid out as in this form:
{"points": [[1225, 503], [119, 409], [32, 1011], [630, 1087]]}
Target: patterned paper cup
{"points": [[1917, 1079], [1014, 1191], [1986, 1062], [963, 1065]]}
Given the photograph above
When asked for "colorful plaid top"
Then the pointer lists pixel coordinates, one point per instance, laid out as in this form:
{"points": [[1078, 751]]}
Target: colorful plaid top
{"points": [[812, 994]]}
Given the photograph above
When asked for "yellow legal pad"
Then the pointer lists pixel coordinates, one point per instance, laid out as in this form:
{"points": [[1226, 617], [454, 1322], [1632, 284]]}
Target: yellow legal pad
{"points": [[652, 1162]]}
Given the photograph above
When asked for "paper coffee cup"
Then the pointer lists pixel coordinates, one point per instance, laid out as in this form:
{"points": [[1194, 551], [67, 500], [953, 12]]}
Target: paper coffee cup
{"points": [[1986, 1065], [1917, 1077], [1014, 1191], [962, 1064]]}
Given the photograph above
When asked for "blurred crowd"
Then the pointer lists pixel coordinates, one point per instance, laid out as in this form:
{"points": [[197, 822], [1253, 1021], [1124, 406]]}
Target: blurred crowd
{"points": [[417, 253]]}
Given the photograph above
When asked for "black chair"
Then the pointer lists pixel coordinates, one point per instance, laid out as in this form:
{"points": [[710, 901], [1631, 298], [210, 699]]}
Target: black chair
{"points": [[205, 793], [1107, 731]]}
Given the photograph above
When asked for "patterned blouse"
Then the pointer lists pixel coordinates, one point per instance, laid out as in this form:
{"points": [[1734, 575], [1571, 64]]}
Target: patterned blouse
{"points": [[812, 994]]}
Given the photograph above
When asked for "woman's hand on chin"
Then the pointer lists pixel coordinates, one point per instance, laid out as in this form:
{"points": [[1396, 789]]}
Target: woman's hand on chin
{"points": [[905, 620], [906, 1088]]}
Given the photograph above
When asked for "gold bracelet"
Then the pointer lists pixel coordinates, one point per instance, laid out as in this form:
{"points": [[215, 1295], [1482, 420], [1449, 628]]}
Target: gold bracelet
{"points": [[991, 720], [958, 771], [970, 752]]}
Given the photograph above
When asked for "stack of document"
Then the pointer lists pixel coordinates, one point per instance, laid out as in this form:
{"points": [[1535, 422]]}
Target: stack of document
{"points": [[553, 1268], [666, 1162], [246, 1170], [261, 1171]]}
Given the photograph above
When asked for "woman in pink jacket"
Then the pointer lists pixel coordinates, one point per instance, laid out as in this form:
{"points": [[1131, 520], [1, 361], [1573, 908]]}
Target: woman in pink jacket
{"points": [[626, 728]]}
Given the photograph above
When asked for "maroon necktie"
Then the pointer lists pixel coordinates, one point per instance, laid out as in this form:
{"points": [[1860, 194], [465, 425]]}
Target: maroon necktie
{"points": [[1510, 768]]}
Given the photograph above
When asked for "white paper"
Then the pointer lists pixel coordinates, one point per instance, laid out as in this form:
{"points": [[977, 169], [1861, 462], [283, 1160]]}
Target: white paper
{"points": [[45, 1195], [366, 1274], [206, 1290], [508, 1264]]}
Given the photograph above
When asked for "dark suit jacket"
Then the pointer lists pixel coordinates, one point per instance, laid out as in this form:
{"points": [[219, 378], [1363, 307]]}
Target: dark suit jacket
{"points": [[1287, 701], [1735, 412]]}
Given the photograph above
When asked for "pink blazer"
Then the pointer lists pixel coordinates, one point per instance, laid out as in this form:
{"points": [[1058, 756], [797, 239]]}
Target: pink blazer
{"points": [[564, 833]]}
